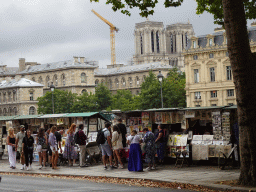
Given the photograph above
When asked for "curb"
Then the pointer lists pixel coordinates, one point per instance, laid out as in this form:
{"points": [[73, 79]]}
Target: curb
{"points": [[216, 187]]}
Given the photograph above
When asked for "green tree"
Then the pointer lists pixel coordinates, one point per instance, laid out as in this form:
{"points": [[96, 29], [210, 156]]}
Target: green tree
{"points": [[103, 97], [174, 94], [85, 103], [63, 102], [233, 14], [123, 100]]}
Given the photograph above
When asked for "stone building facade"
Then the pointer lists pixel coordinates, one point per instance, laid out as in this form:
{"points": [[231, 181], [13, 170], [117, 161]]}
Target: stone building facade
{"points": [[209, 80], [154, 43]]}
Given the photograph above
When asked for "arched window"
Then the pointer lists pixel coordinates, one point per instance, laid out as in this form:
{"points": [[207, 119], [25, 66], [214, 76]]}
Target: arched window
{"points": [[137, 81], [4, 97], [15, 112], [117, 83], [171, 43], [14, 95], [84, 91], [152, 42], [63, 80], [10, 111], [110, 84], [55, 80], [96, 82], [33, 79], [4, 112], [47, 81], [9, 96], [83, 78], [141, 44], [123, 82], [130, 82], [137, 92], [157, 42], [40, 80], [32, 110]]}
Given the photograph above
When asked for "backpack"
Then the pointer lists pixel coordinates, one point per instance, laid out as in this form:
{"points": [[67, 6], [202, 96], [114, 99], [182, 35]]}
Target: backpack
{"points": [[101, 137], [76, 138]]}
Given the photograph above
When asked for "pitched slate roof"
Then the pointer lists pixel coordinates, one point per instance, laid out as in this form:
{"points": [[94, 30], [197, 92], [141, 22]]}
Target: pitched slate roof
{"points": [[20, 83], [131, 69]]}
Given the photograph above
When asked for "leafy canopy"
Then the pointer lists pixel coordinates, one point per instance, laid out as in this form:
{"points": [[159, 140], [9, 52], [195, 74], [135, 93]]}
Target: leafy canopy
{"points": [[212, 6]]}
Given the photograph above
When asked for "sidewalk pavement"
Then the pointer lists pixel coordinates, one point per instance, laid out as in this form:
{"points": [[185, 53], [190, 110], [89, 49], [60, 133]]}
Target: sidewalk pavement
{"points": [[197, 175]]}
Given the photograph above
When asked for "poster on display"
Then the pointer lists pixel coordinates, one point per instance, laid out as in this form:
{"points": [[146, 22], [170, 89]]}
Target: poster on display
{"points": [[73, 119], [79, 120], [92, 128], [60, 121], [54, 121], [37, 121], [190, 114], [190, 135], [136, 121], [92, 136], [42, 124], [180, 116], [174, 117], [164, 117], [93, 121], [131, 128], [131, 121], [8, 125], [85, 122], [145, 117], [158, 117]]}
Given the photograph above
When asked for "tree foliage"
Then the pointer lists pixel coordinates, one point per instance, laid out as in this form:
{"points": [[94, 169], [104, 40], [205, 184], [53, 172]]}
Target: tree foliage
{"points": [[63, 102], [85, 103], [102, 96], [123, 100]]}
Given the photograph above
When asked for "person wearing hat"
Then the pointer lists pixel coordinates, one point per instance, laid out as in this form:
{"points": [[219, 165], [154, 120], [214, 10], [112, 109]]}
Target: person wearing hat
{"points": [[19, 138]]}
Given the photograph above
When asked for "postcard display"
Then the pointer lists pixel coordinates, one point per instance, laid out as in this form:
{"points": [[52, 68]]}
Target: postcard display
{"points": [[178, 143], [92, 136], [206, 146]]}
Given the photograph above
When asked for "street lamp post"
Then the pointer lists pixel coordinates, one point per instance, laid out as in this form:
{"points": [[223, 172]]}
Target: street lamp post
{"points": [[160, 79], [52, 87]]}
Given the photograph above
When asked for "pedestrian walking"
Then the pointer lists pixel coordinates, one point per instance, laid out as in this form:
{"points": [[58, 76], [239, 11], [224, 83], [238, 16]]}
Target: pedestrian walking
{"points": [[117, 145], [49, 151], [11, 148], [27, 149], [160, 144], [106, 147], [41, 148], [123, 130], [58, 135], [82, 145], [149, 140], [19, 138], [54, 147], [135, 155], [69, 150]]}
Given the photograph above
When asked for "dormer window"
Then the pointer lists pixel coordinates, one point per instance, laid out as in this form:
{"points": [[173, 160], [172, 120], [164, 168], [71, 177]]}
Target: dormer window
{"points": [[194, 44], [210, 42]]}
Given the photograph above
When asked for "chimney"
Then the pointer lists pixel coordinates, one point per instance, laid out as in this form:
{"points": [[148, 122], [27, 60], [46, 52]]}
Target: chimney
{"points": [[81, 59], [75, 59], [22, 64]]}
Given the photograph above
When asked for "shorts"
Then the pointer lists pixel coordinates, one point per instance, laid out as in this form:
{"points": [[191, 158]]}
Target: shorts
{"points": [[40, 149], [106, 150], [54, 150]]}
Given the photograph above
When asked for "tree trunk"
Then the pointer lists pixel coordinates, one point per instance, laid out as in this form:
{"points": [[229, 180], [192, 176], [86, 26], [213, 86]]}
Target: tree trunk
{"points": [[244, 73]]}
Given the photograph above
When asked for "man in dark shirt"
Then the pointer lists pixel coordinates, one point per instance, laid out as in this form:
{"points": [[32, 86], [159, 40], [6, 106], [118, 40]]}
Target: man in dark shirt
{"points": [[123, 130], [58, 139], [82, 145]]}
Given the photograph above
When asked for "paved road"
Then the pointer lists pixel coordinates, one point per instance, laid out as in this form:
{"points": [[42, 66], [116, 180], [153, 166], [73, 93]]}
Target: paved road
{"points": [[12, 183]]}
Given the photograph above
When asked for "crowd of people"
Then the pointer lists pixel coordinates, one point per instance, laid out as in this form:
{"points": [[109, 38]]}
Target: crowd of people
{"points": [[48, 145]]}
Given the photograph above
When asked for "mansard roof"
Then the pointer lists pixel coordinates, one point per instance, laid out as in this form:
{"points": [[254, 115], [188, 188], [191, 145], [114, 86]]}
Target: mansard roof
{"points": [[19, 83], [131, 69], [219, 38], [9, 70], [60, 65]]}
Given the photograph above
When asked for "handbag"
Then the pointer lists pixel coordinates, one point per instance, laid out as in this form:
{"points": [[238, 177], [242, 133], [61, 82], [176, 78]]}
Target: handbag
{"points": [[115, 142]]}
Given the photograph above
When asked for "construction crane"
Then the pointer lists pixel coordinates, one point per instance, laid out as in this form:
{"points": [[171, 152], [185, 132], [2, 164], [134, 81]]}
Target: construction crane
{"points": [[112, 37]]}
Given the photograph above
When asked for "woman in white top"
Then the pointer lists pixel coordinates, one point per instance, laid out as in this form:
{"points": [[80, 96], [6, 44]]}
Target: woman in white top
{"points": [[135, 154], [117, 144]]}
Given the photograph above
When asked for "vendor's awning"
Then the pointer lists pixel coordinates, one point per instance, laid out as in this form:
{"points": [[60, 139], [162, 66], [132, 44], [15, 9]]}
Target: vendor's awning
{"points": [[162, 109], [27, 116], [6, 118], [231, 107], [203, 108], [53, 116], [89, 114]]}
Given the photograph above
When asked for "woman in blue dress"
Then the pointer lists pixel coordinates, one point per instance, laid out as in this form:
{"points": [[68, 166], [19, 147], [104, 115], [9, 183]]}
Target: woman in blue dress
{"points": [[149, 140], [160, 144], [135, 154]]}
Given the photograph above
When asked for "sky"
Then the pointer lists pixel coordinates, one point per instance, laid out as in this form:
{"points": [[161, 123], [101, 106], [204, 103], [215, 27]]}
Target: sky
{"points": [[46, 31]]}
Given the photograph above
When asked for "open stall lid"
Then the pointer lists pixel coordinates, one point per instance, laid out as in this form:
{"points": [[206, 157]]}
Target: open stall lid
{"points": [[53, 115], [27, 116], [88, 114]]}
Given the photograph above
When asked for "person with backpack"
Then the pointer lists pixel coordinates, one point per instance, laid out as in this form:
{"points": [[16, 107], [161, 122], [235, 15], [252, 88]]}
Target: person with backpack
{"points": [[80, 139], [104, 140]]}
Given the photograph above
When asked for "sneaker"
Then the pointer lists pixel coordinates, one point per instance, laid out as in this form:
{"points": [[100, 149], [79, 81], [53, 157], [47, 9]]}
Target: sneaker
{"points": [[13, 167], [148, 168], [23, 167], [120, 166], [27, 168], [153, 168], [105, 168], [41, 166]]}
